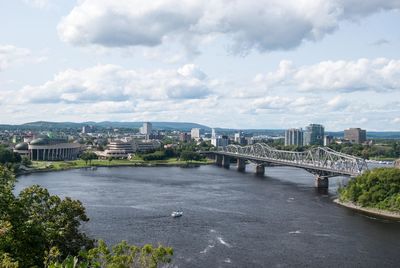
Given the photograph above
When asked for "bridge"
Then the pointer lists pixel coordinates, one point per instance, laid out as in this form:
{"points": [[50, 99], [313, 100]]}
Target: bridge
{"points": [[323, 162]]}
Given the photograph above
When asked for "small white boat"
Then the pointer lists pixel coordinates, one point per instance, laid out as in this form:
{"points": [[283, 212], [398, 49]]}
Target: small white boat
{"points": [[176, 214]]}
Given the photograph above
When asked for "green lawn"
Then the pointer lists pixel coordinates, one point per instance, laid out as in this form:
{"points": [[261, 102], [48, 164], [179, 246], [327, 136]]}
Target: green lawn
{"points": [[60, 165]]}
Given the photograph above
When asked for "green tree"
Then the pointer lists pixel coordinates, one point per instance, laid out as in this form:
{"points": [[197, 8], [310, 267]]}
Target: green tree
{"points": [[35, 221], [88, 157]]}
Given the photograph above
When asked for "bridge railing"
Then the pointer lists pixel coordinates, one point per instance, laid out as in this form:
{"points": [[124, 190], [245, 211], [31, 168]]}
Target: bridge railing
{"points": [[319, 157]]}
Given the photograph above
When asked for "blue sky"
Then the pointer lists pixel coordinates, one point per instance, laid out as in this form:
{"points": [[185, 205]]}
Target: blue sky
{"points": [[223, 63]]}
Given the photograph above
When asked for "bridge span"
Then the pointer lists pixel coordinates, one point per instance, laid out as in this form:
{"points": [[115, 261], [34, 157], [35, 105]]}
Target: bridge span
{"points": [[323, 162]]}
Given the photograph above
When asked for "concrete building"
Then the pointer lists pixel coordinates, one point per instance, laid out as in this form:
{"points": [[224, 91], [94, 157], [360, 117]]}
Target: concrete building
{"points": [[314, 135], [195, 133], [146, 129], [355, 135], [328, 140], [294, 136], [239, 138], [184, 137], [145, 145], [117, 149], [46, 149]]}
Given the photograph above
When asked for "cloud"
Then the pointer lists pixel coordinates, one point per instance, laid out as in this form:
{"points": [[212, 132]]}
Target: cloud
{"points": [[262, 25], [379, 75], [112, 83], [11, 56], [380, 42]]}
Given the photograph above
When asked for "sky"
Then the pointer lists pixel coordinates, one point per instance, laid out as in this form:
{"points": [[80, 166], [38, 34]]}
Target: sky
{"points": [[222, 63]]}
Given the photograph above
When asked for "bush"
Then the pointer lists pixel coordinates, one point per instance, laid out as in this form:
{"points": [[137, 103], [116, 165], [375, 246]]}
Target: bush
{"points": [[378, 188]]}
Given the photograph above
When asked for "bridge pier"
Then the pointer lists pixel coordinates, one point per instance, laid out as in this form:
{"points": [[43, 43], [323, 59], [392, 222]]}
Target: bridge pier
{"points": [[321, 182], [218, 160], [260, 170], [226, 161], [241, 165]]}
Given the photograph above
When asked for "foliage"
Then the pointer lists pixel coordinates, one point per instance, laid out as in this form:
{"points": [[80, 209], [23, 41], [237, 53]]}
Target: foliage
{"points": [[35, 221], [88, 157], [188, 155], [158, 155], [7, 156], [121, 255], [378, 188], [26, 161]]}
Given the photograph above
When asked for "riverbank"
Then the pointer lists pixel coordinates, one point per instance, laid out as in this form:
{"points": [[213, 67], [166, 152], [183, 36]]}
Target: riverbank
{"points": [[50, 166], [370, 211]]}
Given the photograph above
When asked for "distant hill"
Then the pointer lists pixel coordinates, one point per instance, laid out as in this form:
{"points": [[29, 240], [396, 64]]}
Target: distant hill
{"points": [[44, 125]]}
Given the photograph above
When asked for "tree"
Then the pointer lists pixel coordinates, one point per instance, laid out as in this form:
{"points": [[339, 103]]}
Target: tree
{"points": [[121, 255], [35, 221], [88, 157], [26, 161], [188, 156]]}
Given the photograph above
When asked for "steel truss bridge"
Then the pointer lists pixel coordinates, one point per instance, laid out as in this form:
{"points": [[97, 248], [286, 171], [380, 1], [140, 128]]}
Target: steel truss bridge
{"points": [[321, 161]]}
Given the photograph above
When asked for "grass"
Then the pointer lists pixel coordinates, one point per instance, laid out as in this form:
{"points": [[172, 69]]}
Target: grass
{"points": [[62, 165]]}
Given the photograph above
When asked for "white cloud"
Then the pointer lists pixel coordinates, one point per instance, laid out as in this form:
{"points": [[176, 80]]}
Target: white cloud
{"points": [[11, 56], [111, 83], [380, 75], [262, 25]]}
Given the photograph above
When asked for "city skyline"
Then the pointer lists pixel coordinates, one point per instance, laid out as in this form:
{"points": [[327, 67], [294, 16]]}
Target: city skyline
{"points": [[258, 64]]}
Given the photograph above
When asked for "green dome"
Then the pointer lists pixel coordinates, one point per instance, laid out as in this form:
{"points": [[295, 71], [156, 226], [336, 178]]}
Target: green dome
{"points": [[39, 141], [21, 146]]}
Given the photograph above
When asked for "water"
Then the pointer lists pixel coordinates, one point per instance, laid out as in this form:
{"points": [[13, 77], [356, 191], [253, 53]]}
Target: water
{"points": [[230, 219]]}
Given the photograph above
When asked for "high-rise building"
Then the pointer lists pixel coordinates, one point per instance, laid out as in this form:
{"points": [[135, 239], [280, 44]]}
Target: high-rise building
{"points": [[355, 135], [184, 137], [294, 136], [328, 140], [195, 133], [146, 129], [314, 135]]}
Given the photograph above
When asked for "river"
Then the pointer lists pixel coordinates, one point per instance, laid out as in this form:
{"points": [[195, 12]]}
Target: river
{"points": [[230, 219]]}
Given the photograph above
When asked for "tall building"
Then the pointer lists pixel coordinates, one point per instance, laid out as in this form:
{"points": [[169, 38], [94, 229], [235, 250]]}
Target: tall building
{"points": [[328, 140], [184, 137], [355, 135], [294, 136], [146, 129], [314, 135], [195, 133]]}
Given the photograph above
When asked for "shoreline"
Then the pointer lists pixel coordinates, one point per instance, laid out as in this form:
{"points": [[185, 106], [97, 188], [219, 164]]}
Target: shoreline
{"points": [[143, 164], [370, 211]]}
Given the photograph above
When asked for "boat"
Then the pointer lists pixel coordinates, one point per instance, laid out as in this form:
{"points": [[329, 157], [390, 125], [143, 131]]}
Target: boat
{"points": [[176, 214]]}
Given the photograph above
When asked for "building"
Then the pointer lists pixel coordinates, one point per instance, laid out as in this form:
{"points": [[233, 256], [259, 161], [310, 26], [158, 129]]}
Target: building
{"points": [[328, 140], [294, 136], [87, 129], [44, 148], [239, 138], [314, 135], [145, 145], [355, 135], [195, 133], [117, 149], [219, 141], [184, 137], [146, 129]]}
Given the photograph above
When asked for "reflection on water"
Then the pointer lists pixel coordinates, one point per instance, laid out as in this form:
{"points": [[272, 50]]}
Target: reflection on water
{"points": [[230, 219]]}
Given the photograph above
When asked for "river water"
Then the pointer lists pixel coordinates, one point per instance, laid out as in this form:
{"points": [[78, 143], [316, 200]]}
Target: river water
{"points": [[230, 219]]}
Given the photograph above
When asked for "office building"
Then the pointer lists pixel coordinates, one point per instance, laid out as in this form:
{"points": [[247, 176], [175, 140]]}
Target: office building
{"points": [[195, 133], [355, 135], [314, 135], [294, 136], [146, 129], [328, 140], [184, 137]]}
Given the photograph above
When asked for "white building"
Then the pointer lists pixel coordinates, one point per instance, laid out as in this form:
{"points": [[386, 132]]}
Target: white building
{"points": [[195, 133], [146, 129], [294, 136]]}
